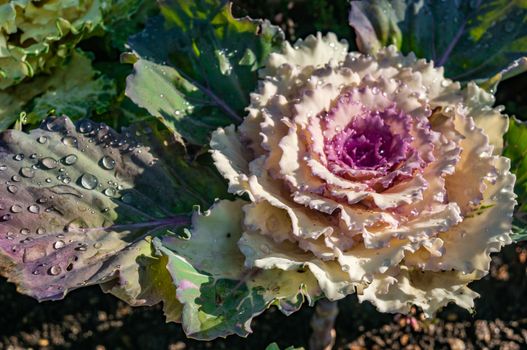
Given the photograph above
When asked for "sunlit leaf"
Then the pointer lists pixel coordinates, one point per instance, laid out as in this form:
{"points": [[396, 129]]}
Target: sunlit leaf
{"points": [[201, 75]]}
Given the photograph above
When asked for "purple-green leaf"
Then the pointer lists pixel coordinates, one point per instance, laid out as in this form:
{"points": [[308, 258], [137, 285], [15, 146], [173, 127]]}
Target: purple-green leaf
{"points": [[80, 203]]}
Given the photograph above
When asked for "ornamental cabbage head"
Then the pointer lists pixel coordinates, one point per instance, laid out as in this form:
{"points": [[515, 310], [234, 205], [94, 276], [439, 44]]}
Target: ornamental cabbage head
{"points": [[37, 35], [374, 173]]}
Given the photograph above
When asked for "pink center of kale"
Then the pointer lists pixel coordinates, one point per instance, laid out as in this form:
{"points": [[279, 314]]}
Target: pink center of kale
{"points": [[372, 141]]}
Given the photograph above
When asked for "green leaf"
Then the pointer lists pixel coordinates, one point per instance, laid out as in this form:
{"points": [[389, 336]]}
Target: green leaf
{"points": [[472, 39], [201, 76], [219, 296], [516, 150], [274, 346], [79, 205], [122, 18], [74, 89], [35, 37]]}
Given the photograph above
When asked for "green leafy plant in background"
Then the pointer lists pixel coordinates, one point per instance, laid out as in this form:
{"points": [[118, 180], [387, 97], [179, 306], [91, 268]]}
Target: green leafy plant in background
{"points": [[84, 204], [42, 70]]}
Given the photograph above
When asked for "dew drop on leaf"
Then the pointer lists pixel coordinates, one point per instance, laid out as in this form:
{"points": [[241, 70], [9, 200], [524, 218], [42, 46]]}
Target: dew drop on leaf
{"points": [[88, 181], [27, 172], [16, 208], [48, 163], [107, 163], [70, 159], [127, 198], [59, 244], [70, 141], [85, 126], [54, 270], [110, 192], [42, 139], [35, 209], [18, 157]]}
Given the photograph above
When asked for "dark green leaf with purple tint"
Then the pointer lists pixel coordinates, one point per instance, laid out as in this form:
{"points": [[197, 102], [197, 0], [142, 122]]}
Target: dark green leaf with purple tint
{"points": [[78, 202], [201, 76], [473, 39]]}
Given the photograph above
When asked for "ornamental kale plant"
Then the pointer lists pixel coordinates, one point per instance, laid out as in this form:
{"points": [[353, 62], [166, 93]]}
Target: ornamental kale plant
{"points": [[220, 169]]}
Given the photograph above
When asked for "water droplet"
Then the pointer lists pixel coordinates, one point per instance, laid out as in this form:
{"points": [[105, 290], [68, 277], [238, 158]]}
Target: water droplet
{"points": [[27, 172], [3, 167], [42, 139], [24, 231], [15, 178], [70, 141], [85, 126], [49, 163], [89, 181], [82, 247], [70, 159], [18, 157], [59, 244], [54, 270], [6, 217], [35, 209], [97, 245], [110, 192], [127, 198], [41, 231], [107, 163], [16, 208]]}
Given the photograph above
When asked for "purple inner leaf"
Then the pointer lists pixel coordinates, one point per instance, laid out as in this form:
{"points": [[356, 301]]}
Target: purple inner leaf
{"points": [[374, 140]]}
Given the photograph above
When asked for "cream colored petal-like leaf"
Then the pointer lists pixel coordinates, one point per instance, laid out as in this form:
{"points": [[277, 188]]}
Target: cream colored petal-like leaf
{"points": [[262, 252], [231, 158], [398, 290], [467, 246], [315, 51]]}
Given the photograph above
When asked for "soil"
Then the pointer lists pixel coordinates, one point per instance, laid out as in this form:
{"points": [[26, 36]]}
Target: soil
{"points": [[90, 319]]}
